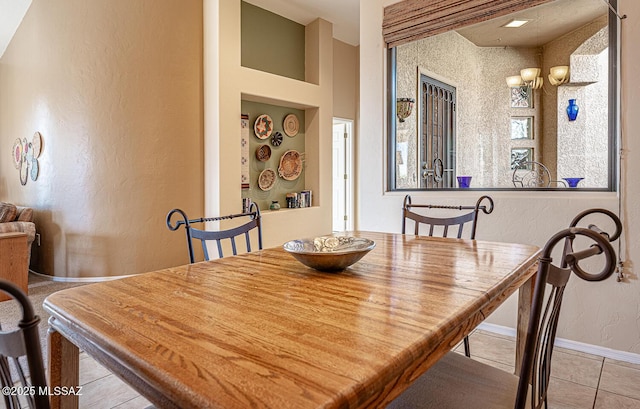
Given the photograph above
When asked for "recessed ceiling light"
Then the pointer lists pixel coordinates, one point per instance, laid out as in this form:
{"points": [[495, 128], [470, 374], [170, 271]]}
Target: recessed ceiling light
{"points": [[516, 23]]}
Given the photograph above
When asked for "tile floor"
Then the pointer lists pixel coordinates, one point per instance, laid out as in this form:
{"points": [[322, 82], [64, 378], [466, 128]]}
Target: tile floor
{"points": [[580, 380]]}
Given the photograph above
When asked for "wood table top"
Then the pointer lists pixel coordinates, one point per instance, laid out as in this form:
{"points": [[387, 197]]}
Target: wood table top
{"points": [[263, 330]]}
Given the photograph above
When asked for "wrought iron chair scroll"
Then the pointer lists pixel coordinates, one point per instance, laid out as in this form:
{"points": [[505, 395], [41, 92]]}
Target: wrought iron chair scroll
{"points": [[218, 236], [533, 174], [457, 382], [457, 220], [469, 215], [16, 344]]}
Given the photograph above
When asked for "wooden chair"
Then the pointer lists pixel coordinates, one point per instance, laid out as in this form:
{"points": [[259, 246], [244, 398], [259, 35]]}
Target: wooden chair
{"points": [[218, 236], [459, 382], [16, 347], [463, 216]]}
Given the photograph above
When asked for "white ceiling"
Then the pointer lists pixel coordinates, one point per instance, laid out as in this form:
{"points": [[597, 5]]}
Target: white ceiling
{"points": [[546, 22], [11, 14]]}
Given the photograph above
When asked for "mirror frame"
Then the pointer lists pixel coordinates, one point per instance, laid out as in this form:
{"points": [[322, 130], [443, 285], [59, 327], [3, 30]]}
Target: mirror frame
{"points": [[613, 120]]}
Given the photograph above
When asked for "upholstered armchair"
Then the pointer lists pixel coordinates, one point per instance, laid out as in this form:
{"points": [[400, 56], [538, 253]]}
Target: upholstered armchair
{"points": [[18, 219]]}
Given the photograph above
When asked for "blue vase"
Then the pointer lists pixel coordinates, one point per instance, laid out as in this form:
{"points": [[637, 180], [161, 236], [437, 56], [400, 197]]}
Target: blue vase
{"points": [[573, 182], [572, 110]]}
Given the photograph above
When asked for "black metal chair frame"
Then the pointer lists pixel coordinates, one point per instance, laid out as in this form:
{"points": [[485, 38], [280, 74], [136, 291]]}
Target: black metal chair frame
{"points": [[535, 370], [203, 235], [533, 174], [445, 222], [470, 216], [530, 388], [23, 342]]}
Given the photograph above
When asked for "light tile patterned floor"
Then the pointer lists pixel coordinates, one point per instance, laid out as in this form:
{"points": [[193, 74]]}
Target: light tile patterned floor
{"points": [[580, 380]]}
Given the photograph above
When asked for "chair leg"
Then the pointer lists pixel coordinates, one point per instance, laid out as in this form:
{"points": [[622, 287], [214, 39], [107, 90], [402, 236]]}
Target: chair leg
{"points": [[467, 347]]}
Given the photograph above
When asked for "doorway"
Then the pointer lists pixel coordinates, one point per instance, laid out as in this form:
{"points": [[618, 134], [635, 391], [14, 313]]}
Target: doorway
{"points": [[438, 141], [342, 175]]}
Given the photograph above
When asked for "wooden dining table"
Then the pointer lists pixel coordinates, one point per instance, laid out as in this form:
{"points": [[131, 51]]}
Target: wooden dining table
{"points": [[262, 330]]}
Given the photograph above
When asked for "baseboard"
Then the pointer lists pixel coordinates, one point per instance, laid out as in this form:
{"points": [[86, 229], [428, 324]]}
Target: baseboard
{"points": [[78, 279], [572, 345]]}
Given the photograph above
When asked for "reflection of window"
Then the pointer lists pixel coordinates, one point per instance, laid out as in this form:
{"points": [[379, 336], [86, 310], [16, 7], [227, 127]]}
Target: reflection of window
{"points": [[522, 127], [485, 105], [519, 156], [521, 97]]}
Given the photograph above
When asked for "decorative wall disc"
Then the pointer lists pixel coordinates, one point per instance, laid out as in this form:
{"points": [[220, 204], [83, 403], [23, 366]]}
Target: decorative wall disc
{"points": [[263, 126], [36, 145], [16, 153], [290, 165], [267, 179], [291, 125], [263, 153], [276, 138]]}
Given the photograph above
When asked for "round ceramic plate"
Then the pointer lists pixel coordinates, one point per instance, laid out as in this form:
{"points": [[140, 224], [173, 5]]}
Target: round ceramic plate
{"points": [[263, 126], [290, 165], [16, 153], [291, 125], [36, 143], [35, 169], [263, 153], [267, 179], [24, 172]]}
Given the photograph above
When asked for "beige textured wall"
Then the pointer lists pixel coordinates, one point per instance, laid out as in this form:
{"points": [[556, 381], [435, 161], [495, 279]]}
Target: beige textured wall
{"points": [[115, 88], [558, 52], [345, 80], [603, 314]]}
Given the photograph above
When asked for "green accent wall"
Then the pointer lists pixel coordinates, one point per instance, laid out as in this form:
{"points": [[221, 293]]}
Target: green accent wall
{"points": [[279, 191], [272, 43]]}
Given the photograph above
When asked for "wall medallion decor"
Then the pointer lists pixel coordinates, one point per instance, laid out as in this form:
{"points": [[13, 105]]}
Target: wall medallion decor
{"points": [[291, 125], [267, 179], [290, 165], [276, 138], [25, 156], [263, 127], [263, 153]]}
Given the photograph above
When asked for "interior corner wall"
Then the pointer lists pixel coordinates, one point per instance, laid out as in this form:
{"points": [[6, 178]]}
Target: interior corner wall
{"points": [[115, 89], [345, 80]]}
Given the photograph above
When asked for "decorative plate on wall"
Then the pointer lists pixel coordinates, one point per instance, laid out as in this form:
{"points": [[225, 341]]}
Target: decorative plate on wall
{"points": [[276, 138], [263, 126], [36, 145], [290, 165], [267, 179], [263, 153], [291, 125], [16, 153]]}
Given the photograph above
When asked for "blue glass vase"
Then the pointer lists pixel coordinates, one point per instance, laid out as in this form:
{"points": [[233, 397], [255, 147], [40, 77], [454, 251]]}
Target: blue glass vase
{"points": [[572, 110]]}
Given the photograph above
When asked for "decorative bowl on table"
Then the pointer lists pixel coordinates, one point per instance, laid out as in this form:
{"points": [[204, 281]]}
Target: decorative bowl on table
{"points": [[329, 253]]}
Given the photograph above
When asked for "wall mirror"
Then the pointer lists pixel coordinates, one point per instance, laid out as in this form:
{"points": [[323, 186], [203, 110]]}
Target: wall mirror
{"points": [[527, 107]]}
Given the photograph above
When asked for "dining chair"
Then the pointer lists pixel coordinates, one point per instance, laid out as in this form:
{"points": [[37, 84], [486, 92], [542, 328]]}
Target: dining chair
{"points": [[447, 216], [218, 236], [534, 174], [18, 345], [458, 382]]}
